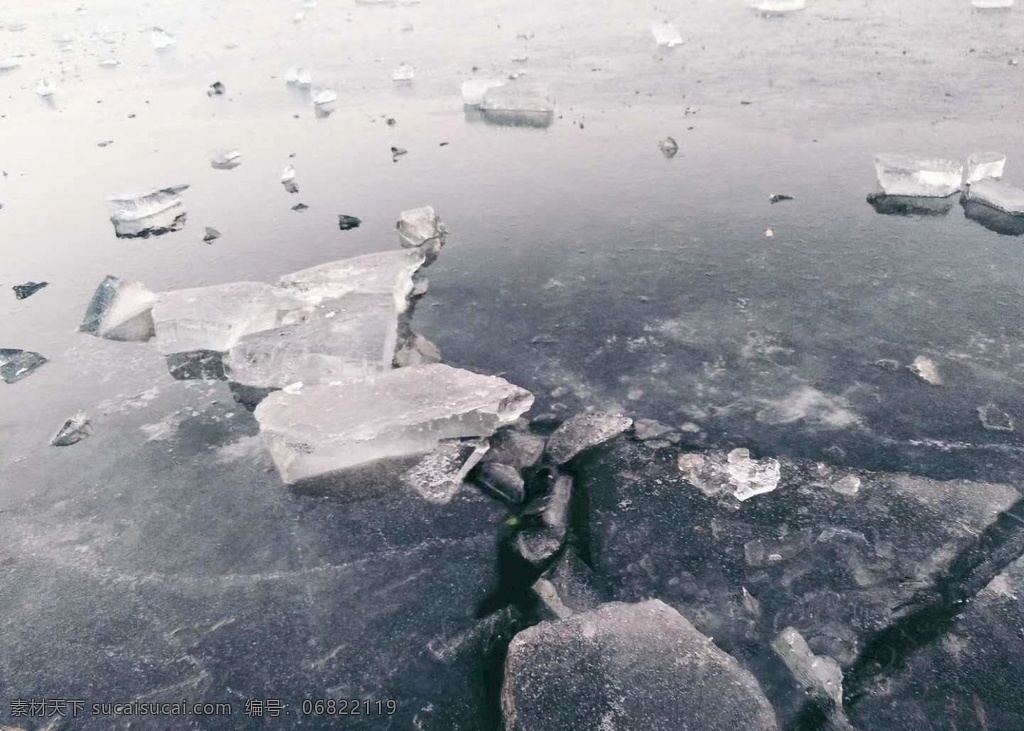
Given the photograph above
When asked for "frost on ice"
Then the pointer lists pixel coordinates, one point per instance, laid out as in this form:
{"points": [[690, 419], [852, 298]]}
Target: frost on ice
{"points": [[120, 310], [397, 413], [918, 176], [153, 213]]}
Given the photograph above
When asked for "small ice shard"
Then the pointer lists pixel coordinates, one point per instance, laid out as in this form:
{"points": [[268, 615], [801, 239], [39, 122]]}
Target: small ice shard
{"points": [[288, 179], [211, 234], [439, 475], [776, 7], [982, 165], [992, 4], [419, 226], [17, 364], [21, 291], [153, 213], [769, 233], [849, 485], [404, 72], [347, 223], [120, 310], [391, 414], [735, 473], [109, 63], [997, 194], [225, 159], [324, 100], [779, 197], [669, 147], [817, 675], [917, 176], [519, 104], [299, 77], [502, 481], [648, 429], [519, 58], [45, 88], [473, 90], [298, 17], [161, 39], [544, 522], [994, 419], [582, 432], [215, 89], [73, 431], [9, 64], [300, 207], [926, 369], [397, 152], [666, 34]]}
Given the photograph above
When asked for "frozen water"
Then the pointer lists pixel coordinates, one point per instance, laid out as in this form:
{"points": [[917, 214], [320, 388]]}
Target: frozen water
{"points": [[669, 147], [736, 474], [778, 6], [997, 194], [392, 414], [153, 213], [17, 364], [582, 432], [45, 88], [926, 369], [161, 39], [519, 104], [439, 475], [822, 676], [473, 90], [73, 431], [419, 226], [404, 72], [225, 159], [120, 310], [347, 223], [298, 76], [992, 4], [109, 63], [995, 419], [983, 165], [9, 64], [324, 100], [388, 272], [666, 34], [22, 291], [917, 176]]}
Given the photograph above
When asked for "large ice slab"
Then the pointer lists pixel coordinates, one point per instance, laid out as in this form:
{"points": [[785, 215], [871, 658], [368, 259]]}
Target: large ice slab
{"points": [[393, 414], [983, 165], [997, 194], [120, 310], [388, 272], [918, 176], [519, 104], [153, 213]]}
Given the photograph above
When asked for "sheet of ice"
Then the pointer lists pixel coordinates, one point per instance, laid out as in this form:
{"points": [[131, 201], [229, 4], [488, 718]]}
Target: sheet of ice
{"points": [[997, 194], [161, 39], [120, 310], [391, 414], [666, 34], [225, 159], [519, 104], [16, 364], [918, 176], [215, 318], [152, 213], [983, 165], [419, 226], [388, 272], [404, 72], [473, 90]]}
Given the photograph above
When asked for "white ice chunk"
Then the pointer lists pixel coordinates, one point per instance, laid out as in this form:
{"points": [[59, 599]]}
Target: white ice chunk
{"points": [[917, 176], [992, 4], [778, 6], [225, 159], [9, 64], [666, 34], [46, 88], [438, 476], [388, 272], [983, 165], [738, 474], [161, 39], [324, 100], [404, 72], [151, 213], [392, 414], [473, 90], [299, 76], [519, 104], [109, 63], [120, 310], [419, 226], [997, 194], [820, 675]]}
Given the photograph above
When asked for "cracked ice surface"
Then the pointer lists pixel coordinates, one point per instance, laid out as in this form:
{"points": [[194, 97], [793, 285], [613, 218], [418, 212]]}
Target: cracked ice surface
{"points": [[394, 414]]}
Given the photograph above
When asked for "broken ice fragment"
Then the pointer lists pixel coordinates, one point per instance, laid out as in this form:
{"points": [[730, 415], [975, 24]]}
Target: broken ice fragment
{"points": [[211, 235], [161, 39], [300, 207], [992, 4], [392, 414], [735, 473], [818, 675], [849, 485], [926, 369], [769, 233], [9, 64], [109, 63], [324, 100], [778, 7], [299, 77], [397, 152], [1006, 224], [778, 197], [347, 223], [439, 475], [999, 195], [917, 176], [21, 291], [419, 226], [983, 165], [17, 364], [669, 147], [73, 431], [417, 350], [994, 419], [215, 89], [153, 213], [545, 521], [45, 88], [906, 205], [473, 90], [665, 34], [120, 310], [519, 104], [648, 429], [225, 159], [288, 179], [503, 481], [403, 73], [388, 272], [582, 432]]}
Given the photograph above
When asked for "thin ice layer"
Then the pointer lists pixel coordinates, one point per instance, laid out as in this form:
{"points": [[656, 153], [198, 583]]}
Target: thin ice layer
{"points": [[120, 310], [997, 194], [395, 413], [918, 176]]}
